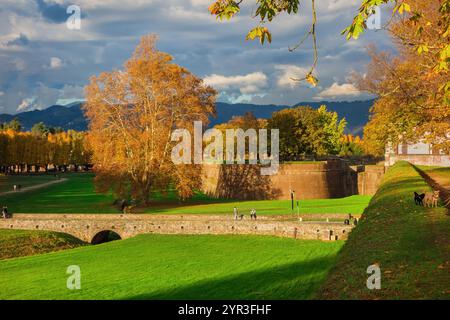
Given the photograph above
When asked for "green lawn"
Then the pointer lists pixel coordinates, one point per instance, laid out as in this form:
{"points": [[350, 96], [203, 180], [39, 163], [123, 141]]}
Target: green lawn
{"points": [[76, 195], [353, 204], [410, 243], [176, 267], [17, 243], [7, 182]]}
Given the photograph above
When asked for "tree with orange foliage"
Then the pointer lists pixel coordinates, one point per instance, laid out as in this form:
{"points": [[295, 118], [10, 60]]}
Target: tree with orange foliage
{"points": [[20, 151], [414, 86], [132, 114]]}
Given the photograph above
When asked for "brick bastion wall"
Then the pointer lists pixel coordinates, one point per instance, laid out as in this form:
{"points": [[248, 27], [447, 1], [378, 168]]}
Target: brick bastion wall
{"points": [[87, 226], [322, 180]]}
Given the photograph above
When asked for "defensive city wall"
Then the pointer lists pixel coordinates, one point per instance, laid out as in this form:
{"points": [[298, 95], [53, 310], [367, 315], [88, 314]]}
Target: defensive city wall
{"points": [[320, 180]]}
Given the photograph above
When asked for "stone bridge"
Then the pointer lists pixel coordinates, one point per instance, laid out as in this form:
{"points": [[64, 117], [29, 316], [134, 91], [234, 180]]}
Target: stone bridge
{"points": [[91, 227]]}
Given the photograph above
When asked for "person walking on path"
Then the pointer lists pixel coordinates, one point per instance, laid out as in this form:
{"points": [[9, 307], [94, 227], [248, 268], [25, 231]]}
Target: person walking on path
{"points": [[236, 213]]}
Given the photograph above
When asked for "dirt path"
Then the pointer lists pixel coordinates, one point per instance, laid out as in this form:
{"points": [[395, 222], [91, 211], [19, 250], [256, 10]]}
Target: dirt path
{"points": [[35, 187]]}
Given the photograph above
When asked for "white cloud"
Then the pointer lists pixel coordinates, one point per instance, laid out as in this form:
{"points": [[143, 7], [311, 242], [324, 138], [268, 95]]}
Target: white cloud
{"points": [[43, 96], [55, 63], [287, 74], [26, 104], [181, 13], [1, 93], [246, 84], [202, 3], [111, 29], [342, 4], [336, 91]]}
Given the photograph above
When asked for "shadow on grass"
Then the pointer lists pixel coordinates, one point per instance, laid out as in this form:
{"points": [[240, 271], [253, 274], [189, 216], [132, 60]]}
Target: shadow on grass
{"points": [[293, 281]]}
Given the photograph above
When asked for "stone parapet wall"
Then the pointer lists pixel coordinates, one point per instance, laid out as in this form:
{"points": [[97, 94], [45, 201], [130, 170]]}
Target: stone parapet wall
{"points": [[86, 227], [419, 159]]}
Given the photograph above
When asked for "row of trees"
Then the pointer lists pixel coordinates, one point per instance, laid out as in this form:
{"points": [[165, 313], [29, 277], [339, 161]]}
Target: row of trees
{"points": [[42, 147], [304, 132]]}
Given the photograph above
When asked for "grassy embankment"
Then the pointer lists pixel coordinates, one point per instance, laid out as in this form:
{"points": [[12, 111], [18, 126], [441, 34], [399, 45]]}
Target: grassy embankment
{"points": [[18, 243], [411, 245], [176, 267], [77, 195]]}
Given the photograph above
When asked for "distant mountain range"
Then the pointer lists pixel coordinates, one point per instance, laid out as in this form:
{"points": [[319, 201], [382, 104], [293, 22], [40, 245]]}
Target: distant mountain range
{"points": [[71, 116]]}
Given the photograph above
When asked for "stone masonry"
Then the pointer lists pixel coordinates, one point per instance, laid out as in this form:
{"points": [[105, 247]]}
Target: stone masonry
{"points": [[87, 226]]}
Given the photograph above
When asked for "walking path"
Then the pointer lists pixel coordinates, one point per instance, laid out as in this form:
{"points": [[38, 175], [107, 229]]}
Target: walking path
{"points": [[35, 187]]}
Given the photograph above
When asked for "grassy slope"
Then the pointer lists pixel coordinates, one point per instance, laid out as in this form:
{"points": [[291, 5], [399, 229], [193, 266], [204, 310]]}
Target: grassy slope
{"points": [[411, 244], [77, 196], [176, 267], [440, 174], [18, 243]]}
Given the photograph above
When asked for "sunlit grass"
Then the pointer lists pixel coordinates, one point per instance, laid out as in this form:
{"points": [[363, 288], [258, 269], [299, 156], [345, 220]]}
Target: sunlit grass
{"points": [[410, 244], [77, 195], [176, 267]]}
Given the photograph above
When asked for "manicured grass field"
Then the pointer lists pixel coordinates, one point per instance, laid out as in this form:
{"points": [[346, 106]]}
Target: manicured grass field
{"points": [[353, 204], [411, 245], [7, 182], [17, 243], [176, 267], [77, 195]]}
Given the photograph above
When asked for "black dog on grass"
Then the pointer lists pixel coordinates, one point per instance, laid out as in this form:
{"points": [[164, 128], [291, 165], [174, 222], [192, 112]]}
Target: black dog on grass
{"points": [[418, 198]]}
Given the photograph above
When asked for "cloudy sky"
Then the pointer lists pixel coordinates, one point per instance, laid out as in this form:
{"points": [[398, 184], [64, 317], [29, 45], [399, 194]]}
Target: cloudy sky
{"points": [[43, 62]]}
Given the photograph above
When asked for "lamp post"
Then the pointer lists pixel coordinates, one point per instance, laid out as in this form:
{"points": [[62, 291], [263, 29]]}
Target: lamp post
{"points": [[292, 200]]}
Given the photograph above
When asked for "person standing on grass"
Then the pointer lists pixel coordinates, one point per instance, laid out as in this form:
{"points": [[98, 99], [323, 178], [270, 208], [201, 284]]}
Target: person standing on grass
{"points": [[253, 213], [123, 206], [5, 212], [236, 213]]}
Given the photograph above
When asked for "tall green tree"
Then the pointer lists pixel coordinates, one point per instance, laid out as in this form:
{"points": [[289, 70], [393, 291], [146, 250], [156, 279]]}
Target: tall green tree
{"points": [[307, 131], [13, 125], [40, 129]]}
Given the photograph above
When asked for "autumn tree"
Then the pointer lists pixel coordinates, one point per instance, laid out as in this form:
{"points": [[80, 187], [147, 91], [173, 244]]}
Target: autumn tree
{"points": [[351, 146], [20, 151], [413, 103], [268, 10], [132, 113], [244, 122]]}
